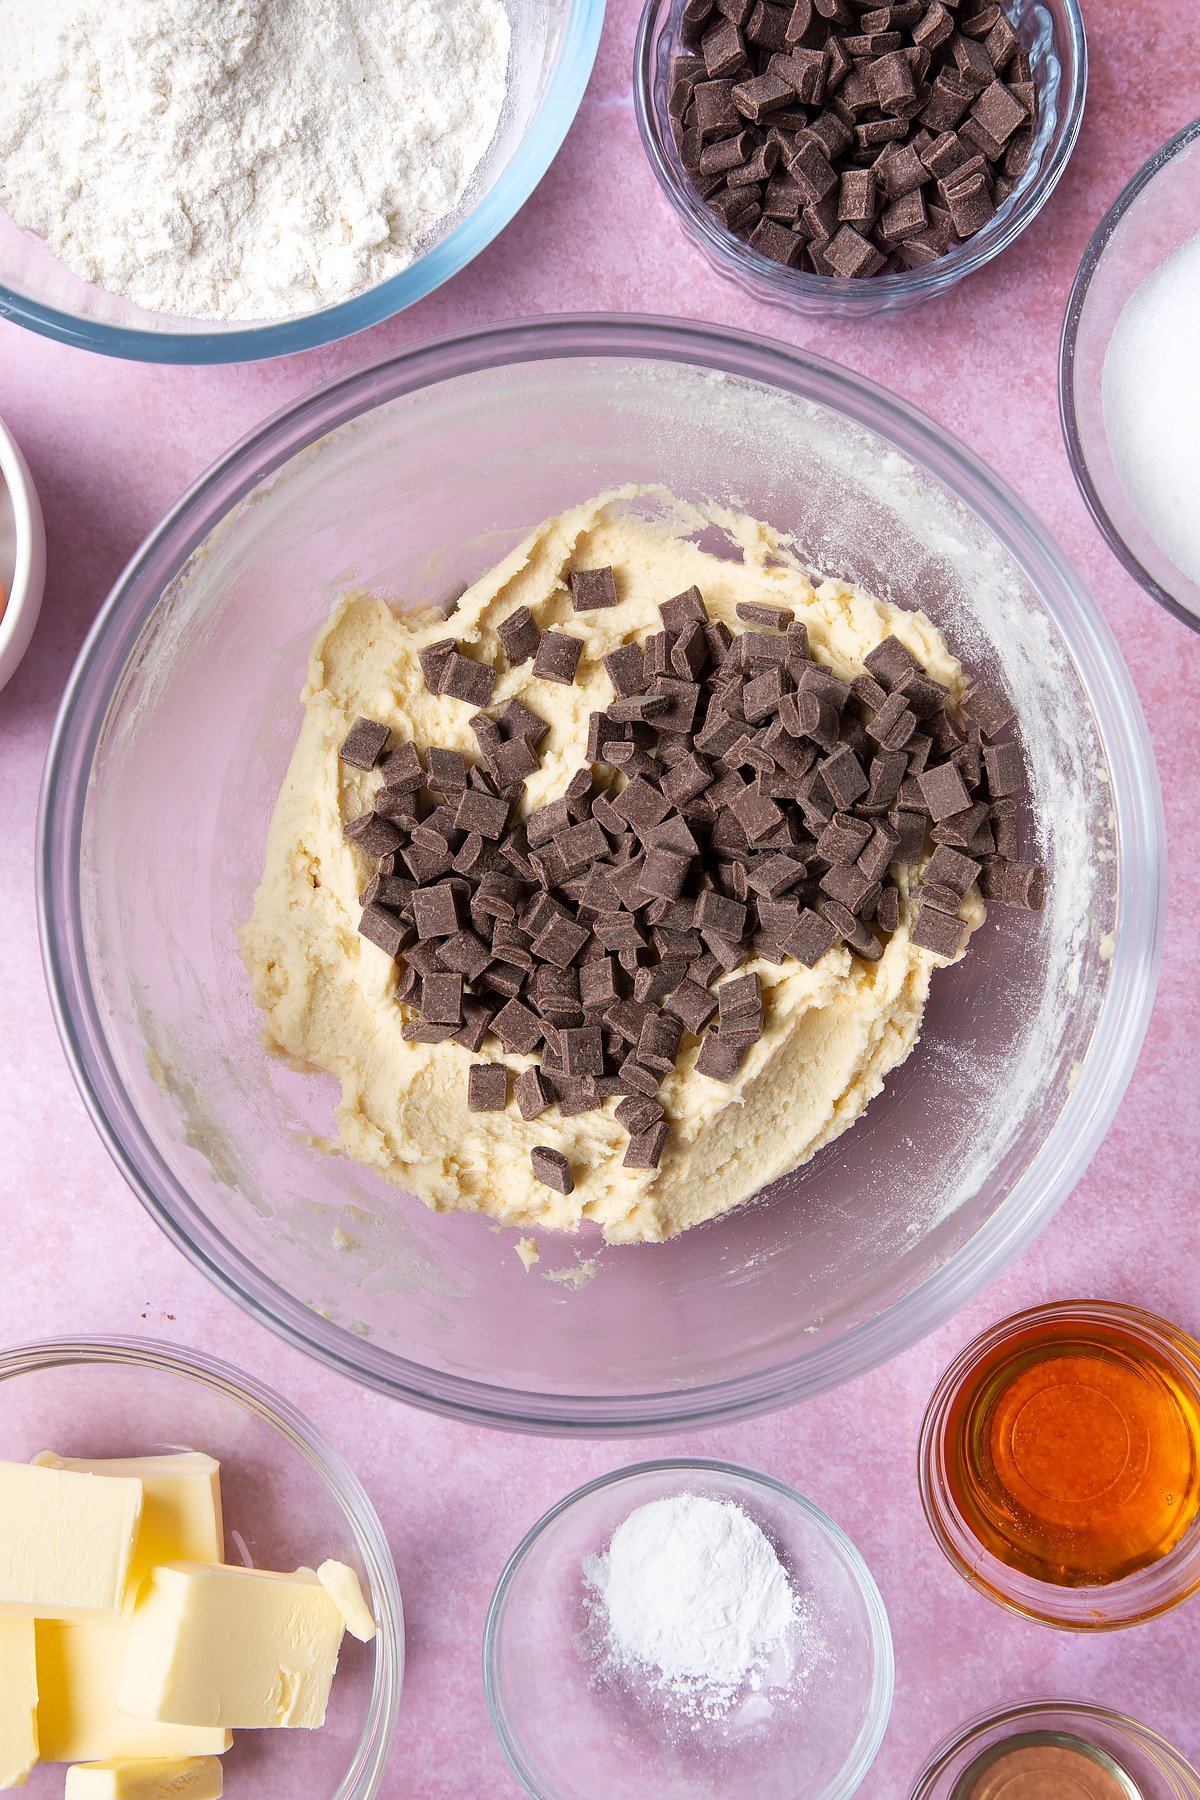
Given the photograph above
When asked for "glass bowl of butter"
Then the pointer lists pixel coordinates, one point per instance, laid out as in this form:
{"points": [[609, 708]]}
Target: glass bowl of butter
{"points": [[213, 1570]]}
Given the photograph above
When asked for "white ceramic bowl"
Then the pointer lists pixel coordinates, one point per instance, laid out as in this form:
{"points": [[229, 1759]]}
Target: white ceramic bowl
{"points": [[22, 555]]}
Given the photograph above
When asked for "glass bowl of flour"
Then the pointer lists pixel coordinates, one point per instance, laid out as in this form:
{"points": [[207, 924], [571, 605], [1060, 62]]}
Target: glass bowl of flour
{"points": [[203, 183], [1129, 376], [690, 1629]]}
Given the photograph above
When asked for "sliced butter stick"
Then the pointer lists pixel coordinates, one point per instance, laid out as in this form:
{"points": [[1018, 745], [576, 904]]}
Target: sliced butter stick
{"points": [[344, 1589], [67, 1543], [18, 1702], [231, 1648], [187, 1778]]}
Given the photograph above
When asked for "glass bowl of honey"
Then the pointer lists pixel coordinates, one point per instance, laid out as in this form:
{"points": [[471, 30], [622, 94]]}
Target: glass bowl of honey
{"points": [[1060, 1464], [1063, 1748]]}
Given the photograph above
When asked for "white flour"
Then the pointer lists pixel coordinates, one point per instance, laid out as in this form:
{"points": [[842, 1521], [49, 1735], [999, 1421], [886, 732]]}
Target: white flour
{"points": [[243, 159], [695, 1601]]}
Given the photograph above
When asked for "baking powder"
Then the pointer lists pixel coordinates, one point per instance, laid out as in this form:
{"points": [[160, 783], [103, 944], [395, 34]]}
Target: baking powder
{"points": [[244, 159], [694, 1600]]}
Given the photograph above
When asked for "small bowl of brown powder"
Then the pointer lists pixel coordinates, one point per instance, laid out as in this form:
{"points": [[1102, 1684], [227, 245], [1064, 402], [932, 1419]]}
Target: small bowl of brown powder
{"points": [[834, 156]]}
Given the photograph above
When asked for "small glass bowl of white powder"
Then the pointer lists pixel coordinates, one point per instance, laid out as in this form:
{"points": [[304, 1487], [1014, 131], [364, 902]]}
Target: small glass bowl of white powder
{"points": [[1129, 376], [689, 1629]]}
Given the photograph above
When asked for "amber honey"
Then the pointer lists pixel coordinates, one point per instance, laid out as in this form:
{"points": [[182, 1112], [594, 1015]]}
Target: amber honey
{"points": [[1071, 1448]]}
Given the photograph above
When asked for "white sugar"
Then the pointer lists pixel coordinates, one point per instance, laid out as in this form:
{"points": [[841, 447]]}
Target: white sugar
{"points": [[1151, 396]]}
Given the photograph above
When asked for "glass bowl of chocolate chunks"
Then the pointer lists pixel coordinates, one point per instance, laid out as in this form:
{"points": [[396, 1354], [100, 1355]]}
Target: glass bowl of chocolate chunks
{"points": [[832, 156]]}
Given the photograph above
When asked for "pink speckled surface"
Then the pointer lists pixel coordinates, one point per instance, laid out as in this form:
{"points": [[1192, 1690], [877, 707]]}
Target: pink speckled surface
{"points": [[112, 445]]}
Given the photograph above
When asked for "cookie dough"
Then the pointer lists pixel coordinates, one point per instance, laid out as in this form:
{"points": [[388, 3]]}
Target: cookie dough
{"points": [[832, 1033]]}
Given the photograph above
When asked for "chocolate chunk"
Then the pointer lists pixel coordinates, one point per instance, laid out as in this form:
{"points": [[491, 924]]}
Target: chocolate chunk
{"points": [[552, 1169], [777, 242], [683, 610], [810, 938], [462, 679], [641, 805], [850, 887], [949, 868], [1005, 769], [582, 1050], [843, 775], [970, 206], [658, 1042], [718, 1060], [890, 662], [943, 791], [363, 744], [756, 812], [433, 660], [511, 764], [645, 1148], [843, 839], [532, 1093], [878, 856], [1015, 884], [402, 772], [384, 928], [466, 954], [518, 1029], [854, 932], [943, 933], [592, 589], [887, 909], [664, 873], [374, 836], [988, 708], [441, 999], [717, 912], [560, 942], [557, 657], [487, 1087], [626, 669], [424, 1031], [480, 812], [638, 1114], [519, 635], [435, 911], [691, 1004]]}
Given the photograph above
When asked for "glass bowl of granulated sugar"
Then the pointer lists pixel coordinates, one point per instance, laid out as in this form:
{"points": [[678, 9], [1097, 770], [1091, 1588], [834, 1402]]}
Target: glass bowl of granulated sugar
{"points": [[288, 173], [1129, 373], [692, 1630]]}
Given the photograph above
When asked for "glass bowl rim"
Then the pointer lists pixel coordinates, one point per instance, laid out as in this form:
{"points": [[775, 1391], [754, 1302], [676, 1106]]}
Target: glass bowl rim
{"points": [[309, 331], [288, 1422], [1021, 1711], [884, 1676], [1137, 799], [1068, 419], [944, 1519], [796, 287]]}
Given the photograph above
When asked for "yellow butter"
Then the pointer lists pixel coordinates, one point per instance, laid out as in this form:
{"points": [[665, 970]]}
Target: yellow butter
{"points": [[79, 1673], [231, 1647], [67, 1541], [18, 1703], [187, 1778], [80, 1663], [345, 1590], [181, 1505]]}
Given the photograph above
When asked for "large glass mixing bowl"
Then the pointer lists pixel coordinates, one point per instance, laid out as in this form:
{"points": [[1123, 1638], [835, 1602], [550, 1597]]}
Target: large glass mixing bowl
{"points": [[410, 478]]}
